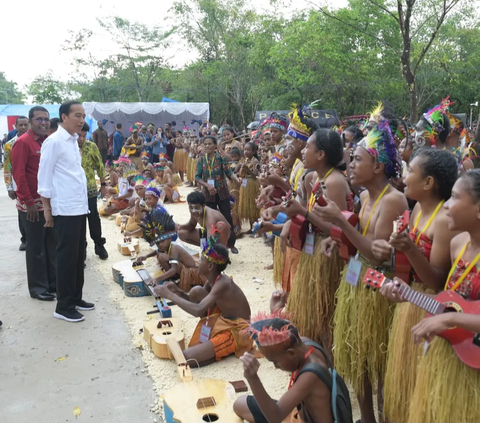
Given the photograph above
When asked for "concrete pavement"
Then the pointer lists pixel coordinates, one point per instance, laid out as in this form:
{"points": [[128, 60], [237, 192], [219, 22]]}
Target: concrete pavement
{"points": [[99, 369]]}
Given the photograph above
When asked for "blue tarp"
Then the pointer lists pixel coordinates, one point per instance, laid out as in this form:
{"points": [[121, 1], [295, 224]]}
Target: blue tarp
{"points": [[168, 100], [22, 109]]}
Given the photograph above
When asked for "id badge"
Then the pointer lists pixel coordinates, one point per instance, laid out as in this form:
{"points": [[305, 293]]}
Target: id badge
{"points": [[211, 182], [353, 271], [203, 242], [310, 243], [205, 334], [244, 182]]}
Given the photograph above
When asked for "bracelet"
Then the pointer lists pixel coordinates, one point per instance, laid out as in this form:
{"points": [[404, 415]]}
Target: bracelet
{"points": [[103, 184]]}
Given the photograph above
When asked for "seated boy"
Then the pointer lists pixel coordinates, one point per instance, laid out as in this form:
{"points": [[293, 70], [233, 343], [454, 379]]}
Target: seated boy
{"points": [[221, 306], [308, 399], [207, 218], [159, 228]]}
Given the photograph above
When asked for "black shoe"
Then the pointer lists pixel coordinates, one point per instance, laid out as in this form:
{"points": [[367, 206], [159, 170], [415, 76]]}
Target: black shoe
{"points": [[46, 296], [23, 246], [101, 252], [83, 305], [69, 315], [234, 250]]}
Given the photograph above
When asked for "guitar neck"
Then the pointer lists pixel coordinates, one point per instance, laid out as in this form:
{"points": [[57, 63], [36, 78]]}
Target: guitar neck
{"points": [[421, 300]]}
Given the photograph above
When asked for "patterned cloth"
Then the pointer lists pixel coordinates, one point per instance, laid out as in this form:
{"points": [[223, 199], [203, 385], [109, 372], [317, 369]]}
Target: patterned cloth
{"points": [[91, 163], [470, 286], [7, 166], [217, 169]]}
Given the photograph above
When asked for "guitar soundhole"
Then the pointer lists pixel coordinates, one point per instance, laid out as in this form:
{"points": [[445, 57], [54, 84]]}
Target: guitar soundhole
{"points": [[166, 333], [209, 417]]}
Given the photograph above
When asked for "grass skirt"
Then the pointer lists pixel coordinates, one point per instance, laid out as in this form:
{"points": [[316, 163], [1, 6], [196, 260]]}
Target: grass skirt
{"points": [[311, 302], [403, 358], [446, 390], [177, 180], [290, 266], [247, 207], [189, 169], [180, 160], [361, 325], [278, 261], [189, 277]]}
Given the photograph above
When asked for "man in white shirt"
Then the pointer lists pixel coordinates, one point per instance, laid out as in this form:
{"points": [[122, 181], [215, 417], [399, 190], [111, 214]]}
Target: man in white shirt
{"points": [[63, 187]]}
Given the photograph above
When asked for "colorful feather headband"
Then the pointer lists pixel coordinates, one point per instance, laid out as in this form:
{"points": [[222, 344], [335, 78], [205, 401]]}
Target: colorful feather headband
{"points": [[274, 329], [456, 123], [380, 144], [129, 170], [153, 191], [162, 156], [376, 115], [158, 166], [278, 121], [209, 252], [158, 225], [140, 180], [435, 116], [123, 159], [144, 154], [297, 129]]}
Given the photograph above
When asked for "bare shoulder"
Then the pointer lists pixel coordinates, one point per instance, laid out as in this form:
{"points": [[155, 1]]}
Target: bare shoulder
{"points": [[457, 243], [396, 199]]}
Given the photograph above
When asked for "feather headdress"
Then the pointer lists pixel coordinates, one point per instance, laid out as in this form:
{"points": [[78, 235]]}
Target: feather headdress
{"points": [[435, 116], [163, 156], [129, 170], [158, 225], [153, 190], [456, 123], [297, 128], [209, 252], [140, 180], [271, 329], [276, 120], [376, 115], [144, 154], [380, 144]]}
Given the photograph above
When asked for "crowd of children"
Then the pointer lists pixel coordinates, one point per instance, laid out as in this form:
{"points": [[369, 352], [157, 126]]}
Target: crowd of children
{"points": [[329, 202]]}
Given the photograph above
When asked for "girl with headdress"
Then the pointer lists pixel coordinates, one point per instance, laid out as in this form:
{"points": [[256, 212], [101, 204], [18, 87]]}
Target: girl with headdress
{"points": [[429, 181], [247, 171], [446, 389], [362, 318], [146, 163], [138, 209], [457, 145], [165, 176]]}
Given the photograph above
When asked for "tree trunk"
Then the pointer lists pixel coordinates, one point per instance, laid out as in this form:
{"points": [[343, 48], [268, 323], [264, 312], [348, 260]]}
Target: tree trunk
{"points": [[412, 92]]}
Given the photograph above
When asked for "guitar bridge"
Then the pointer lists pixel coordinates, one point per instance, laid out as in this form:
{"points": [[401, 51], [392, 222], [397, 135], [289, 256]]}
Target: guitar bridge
{"points": [[206, 402]]}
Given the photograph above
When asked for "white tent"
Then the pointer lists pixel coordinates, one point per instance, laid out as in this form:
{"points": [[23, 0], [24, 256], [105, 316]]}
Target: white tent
{"points": [[181, 114]]}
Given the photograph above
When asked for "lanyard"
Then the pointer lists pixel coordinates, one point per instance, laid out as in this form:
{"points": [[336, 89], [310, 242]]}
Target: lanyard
{"points": [[210, 165], [311, 202], [373, 209], [465, 272], [204, 210], [430, 220], [294, 375], [208, 312]]}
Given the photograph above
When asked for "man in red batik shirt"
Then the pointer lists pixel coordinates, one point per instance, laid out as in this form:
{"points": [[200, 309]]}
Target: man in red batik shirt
{"points": [[41, 241]]}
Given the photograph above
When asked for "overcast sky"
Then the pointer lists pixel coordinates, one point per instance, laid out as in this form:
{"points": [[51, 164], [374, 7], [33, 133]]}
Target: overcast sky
{"points": [[33, 32]]}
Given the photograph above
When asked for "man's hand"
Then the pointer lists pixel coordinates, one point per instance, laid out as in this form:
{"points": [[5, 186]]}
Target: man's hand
{"points": [[48, 218], [12, 194], [162, 291], [32, 213], [250, 365]]}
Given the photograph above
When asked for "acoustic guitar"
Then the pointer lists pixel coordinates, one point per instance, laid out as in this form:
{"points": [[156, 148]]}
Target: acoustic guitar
{"points": [[156, 333], [463, 341], [197, 401], [400, 263], [129, 246]]}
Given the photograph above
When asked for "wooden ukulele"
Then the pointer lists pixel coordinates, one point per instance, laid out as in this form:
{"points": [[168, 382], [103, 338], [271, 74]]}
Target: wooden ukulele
{"points": [[197, 401], [129, 246], [400, 263], [156, 333], [462, 341], [298, 225]]}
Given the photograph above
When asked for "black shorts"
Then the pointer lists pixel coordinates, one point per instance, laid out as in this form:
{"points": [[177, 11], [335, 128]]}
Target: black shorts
{"points": [[255, 410]]}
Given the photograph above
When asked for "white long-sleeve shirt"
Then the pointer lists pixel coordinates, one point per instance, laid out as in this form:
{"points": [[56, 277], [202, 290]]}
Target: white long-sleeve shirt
{"points": [[60, 175]]}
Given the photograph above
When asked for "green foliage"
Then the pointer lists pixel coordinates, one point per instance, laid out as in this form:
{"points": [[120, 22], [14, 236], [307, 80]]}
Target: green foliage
{"points": [[47, 90], [9, 92]]}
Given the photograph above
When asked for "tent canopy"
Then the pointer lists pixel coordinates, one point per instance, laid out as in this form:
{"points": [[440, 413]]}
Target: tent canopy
{"points": [[22, 109], [182, 114]]}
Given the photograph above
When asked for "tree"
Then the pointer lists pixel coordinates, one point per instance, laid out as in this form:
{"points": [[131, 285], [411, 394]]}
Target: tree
{"points": [[418, 24], [47, 90], [137, 65], [9, 92]]}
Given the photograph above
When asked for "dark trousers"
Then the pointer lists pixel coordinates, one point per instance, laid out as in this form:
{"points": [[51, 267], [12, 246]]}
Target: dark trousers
{"points": [[224, 207], [21, 227], [71, 233], [104, 154], [94, 224], [40, 255], [153, 158]]}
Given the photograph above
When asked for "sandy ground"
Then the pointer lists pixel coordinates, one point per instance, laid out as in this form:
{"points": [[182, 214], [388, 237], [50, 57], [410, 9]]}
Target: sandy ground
{"points": [[248, 264]]}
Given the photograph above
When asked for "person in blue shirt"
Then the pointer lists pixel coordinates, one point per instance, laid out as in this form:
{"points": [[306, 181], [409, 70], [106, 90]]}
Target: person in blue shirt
{"points": [[12, 134], [118, 141], [159, 145]]}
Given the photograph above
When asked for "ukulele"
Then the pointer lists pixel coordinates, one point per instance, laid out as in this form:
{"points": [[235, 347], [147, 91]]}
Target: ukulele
{"points": [[197, 401], [463, 341], [129, 247], [298, 225], [400, 263], [156, 333]]}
